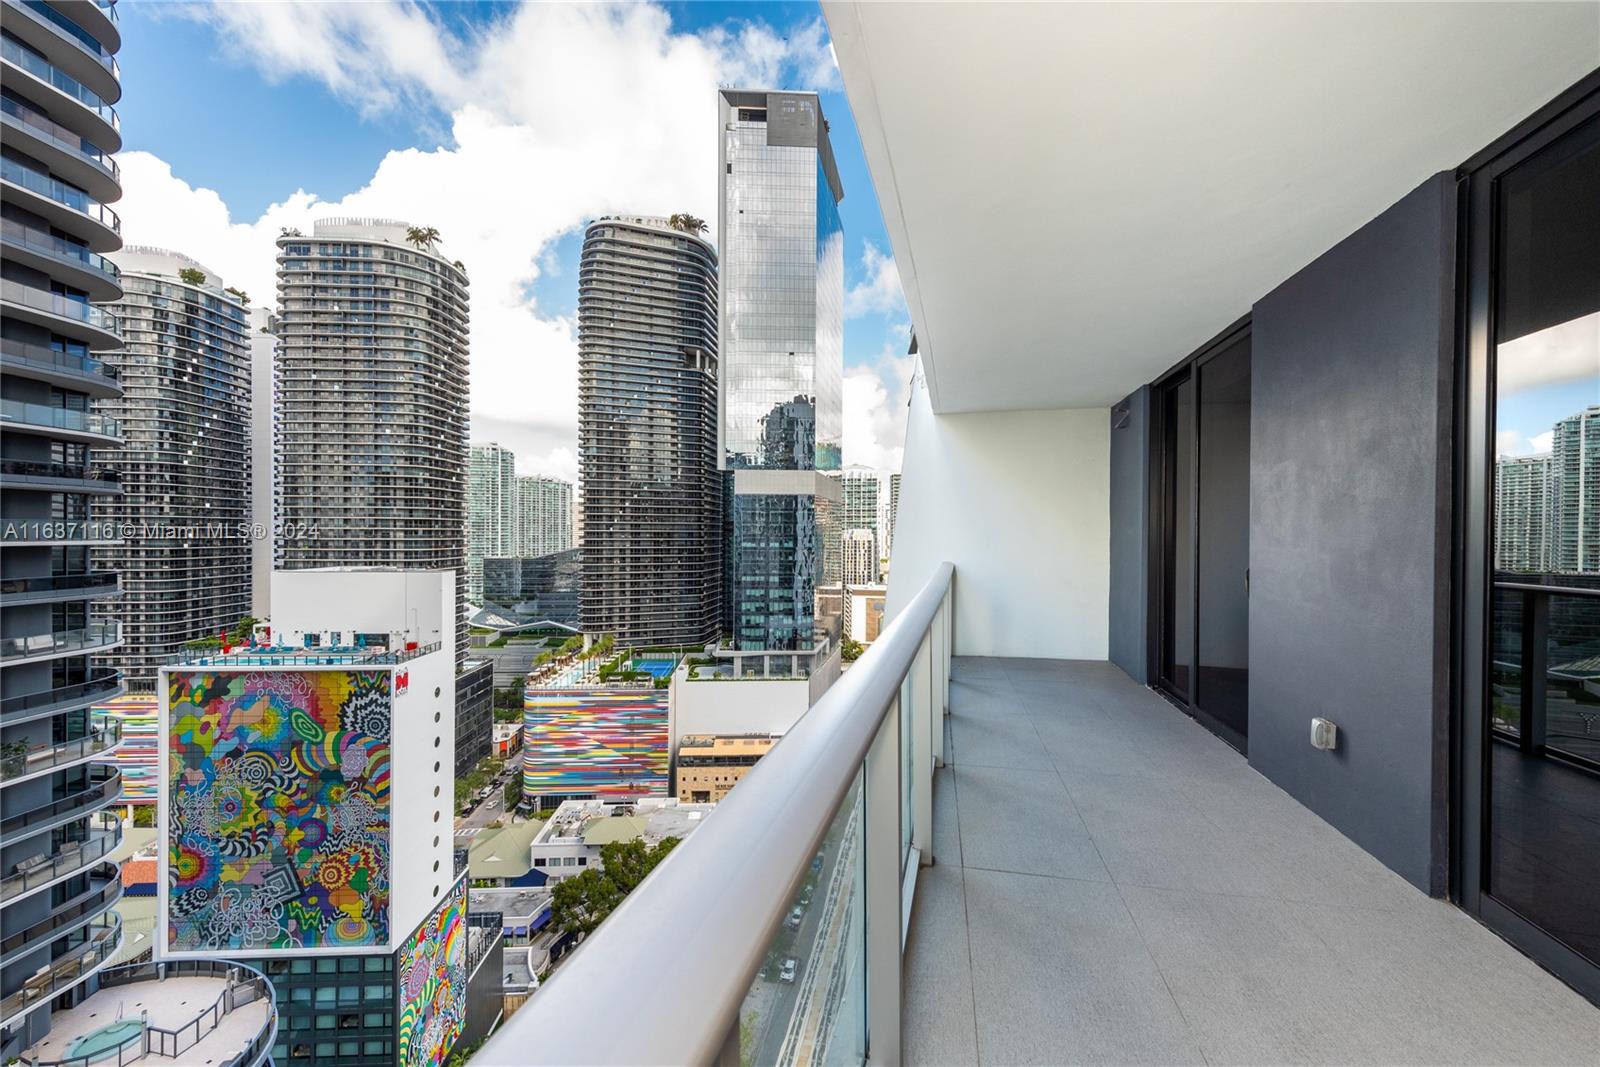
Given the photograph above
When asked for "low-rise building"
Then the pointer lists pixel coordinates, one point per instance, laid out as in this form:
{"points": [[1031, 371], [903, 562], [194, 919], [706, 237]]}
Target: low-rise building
{"points": [[573, 837], [708, 765], [507, 739], [474, 713], [863, 612], [498, 856]]}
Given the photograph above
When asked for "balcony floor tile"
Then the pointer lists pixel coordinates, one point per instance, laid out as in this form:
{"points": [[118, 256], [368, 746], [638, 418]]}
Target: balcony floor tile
{"points": [[1112, 884]]}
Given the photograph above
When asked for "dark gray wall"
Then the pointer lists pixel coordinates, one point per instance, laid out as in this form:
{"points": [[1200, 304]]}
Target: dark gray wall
{"points": [[1350, 531], [1130, 525]]}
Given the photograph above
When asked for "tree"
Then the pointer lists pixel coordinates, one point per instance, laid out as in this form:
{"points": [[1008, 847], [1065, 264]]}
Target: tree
{"points": [[191, 276], [580, 904], [850, 649], [685, 223], [422, 236], [244, 297]]}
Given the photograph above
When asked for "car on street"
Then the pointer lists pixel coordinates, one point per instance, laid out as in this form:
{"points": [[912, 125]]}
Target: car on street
{"points": [[791, 967], [793, 921]]}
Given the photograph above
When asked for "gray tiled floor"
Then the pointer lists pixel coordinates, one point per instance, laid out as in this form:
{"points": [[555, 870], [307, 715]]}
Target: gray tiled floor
{"points": [[1114, 885]]}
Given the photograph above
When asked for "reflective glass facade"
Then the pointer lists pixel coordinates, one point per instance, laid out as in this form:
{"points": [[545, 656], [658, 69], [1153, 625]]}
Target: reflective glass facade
{"points": [[782, 351]]}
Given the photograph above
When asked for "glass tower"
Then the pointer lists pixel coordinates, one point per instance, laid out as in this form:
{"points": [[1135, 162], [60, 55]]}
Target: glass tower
{"points": [[647, 437], [491, 511], [782, 353]]}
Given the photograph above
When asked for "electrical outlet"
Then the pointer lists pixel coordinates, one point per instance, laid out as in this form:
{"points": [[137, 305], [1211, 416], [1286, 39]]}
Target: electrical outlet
{"points": [[1324, 734]]}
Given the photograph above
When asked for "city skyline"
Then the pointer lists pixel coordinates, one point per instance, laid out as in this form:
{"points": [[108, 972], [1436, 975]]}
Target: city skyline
{"points": [[410, 161]]}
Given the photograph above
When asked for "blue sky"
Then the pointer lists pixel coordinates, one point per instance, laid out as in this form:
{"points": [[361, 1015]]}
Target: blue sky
{"points": [[256, 103]]}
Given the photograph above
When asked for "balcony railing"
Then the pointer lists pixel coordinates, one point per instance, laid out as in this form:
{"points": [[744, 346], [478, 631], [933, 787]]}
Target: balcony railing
{"points": [[293, 657], [104, 785], [92, 583], [61, 193], [63, 137], [24, 762], [104, 939], [91, 902], [48, 244], [246, 986], [100, 687], [95, 635], [69, 858], [48, 417], [80, 36], [29, 468], [803, 876], [49, 358], [45, 71], [56, 304]]}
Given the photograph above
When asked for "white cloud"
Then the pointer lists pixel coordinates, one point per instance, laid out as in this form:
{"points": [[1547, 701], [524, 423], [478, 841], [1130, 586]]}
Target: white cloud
{"points": [[557, 113], [880, 291], [875, 406], [1561, 354]]}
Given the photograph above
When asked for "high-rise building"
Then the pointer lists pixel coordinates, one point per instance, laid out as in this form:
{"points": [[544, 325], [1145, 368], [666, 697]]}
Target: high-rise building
{"points": [[263, 461], [543, 516], [372, 400], [1521, 493], [863, 510], [491, 511], [782, 346], [647, 431], [57, 177], [306, 815], [185, 509], [894, 508], [859, 557], [1574, 494]]}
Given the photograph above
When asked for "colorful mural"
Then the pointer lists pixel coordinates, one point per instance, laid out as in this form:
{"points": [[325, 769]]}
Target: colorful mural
{"points": [[608, 742], [432, 976], [279, 810], [139, 756]]}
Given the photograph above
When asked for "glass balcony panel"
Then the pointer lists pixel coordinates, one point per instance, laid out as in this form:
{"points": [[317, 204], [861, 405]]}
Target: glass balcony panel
{"points": [[80, 36], [72, 856], [61, 136], [35, 64], [99, 633], [60, 192], [39, 241], [808, 1004], [58, 418]]}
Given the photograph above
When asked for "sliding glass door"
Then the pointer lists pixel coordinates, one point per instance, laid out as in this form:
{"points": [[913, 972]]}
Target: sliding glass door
{"points": [[1530, 770], [1202, 514]]}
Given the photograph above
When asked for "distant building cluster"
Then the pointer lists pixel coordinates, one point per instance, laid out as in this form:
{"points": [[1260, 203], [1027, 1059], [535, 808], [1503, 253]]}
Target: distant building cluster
{"points": [[511, 515], [1547, 506]]}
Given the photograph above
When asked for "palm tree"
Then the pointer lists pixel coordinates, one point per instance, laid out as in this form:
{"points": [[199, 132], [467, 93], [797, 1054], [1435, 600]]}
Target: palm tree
{"points": [[687, 223], [422, 236]]}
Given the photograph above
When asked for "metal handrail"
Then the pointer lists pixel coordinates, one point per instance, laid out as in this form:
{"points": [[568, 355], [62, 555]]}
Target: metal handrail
{"points": [[49, 357], [708, 913], [99, 685]]}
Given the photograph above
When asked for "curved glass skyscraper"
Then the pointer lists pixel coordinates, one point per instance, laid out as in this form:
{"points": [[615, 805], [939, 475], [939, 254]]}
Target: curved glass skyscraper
{"points": [[57, 177], [372, 400], [186, 477], [647, 433]]}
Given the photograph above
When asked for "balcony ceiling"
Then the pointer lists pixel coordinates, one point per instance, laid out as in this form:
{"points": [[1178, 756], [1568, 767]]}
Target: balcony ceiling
{"points": [[1080, 195]]}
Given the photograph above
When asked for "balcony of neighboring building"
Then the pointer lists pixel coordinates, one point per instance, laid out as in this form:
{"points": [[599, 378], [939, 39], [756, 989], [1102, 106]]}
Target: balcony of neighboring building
{"points": [[65, 261], [71, 156], [54, 588], [23, 759], [62, 205], [57, 312], [60, 424], [72, 46], [102, 786], [43, 703], [64, 96], [95, 637], [98, 839], [53, 475], [67, 971], [98, 890]]}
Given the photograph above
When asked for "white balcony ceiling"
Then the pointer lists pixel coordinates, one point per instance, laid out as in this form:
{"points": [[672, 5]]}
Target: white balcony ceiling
{"points": [[1080, 195]]}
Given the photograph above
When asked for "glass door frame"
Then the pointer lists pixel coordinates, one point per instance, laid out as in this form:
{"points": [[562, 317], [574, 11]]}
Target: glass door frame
{"points": [[1163, 534], [1475, 400]]}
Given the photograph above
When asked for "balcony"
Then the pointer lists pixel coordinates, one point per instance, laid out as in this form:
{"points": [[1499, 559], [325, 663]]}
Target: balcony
{"points": [[86, 59], [67, 261], [96, 637], [104, 785], [72, 969], [68, 477], [63, 205], [42, 69], [67, 424], [53, 311], [40, 871], [64, 150], [23, 762], [26, 707], [75, 371], [58, 587], [104, 889]]}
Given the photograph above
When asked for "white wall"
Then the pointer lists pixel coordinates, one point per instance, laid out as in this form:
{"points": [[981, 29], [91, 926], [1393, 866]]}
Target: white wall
{"points": [[1020, 502], [417, 791], [735, 705], [420, 603]]}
